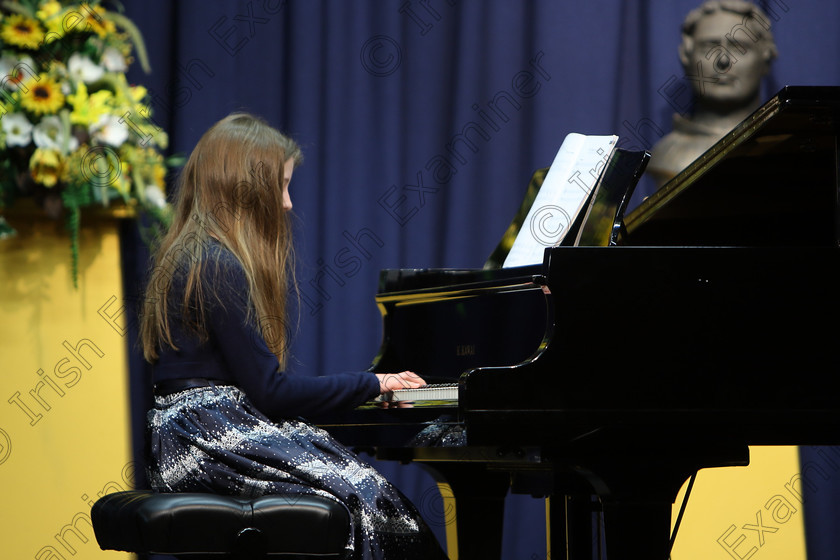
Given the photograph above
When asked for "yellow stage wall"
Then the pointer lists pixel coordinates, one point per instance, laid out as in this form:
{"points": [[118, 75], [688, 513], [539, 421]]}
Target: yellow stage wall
{"points": [[752, 512], [64, 422]]}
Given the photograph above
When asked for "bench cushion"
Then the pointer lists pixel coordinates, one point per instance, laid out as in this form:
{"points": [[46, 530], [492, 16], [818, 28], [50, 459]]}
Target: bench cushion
{"points": [[191, 523]]}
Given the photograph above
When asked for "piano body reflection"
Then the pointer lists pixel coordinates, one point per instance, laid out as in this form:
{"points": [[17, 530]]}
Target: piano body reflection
{"points": [[707, 323]]}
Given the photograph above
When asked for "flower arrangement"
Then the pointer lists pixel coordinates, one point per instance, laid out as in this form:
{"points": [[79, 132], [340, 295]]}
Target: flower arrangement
{"points": [[73, 132]]}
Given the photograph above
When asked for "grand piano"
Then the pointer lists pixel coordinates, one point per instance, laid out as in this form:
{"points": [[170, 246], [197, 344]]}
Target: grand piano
{"points": [[608, 375]]}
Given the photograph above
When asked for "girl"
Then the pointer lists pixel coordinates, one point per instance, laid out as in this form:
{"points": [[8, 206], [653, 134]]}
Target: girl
{"points": [[226, 417]]}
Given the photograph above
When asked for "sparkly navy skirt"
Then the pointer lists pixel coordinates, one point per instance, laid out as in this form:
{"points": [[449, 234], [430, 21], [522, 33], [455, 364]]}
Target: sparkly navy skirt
{"points": [[212, 439]]}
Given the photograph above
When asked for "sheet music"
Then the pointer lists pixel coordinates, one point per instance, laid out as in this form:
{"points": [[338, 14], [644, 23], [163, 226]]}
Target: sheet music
{"points": [[568, 185]]}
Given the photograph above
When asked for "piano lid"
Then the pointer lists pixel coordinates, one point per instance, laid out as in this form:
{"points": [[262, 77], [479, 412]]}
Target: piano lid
{"points": [[772, 180]]}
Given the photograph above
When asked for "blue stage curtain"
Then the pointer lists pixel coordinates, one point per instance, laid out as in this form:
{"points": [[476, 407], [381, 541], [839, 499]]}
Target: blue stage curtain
{"points": [[421, 122]]}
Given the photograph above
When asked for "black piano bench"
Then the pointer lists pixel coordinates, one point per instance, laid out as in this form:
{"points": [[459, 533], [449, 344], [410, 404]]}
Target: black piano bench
{"points": [[212, 526]]}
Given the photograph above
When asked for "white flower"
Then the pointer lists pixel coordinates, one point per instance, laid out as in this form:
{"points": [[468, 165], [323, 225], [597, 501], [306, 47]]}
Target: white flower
{"points": [[50, 133], [18, 129], [110, 130], [83, 69], [155, 196], [113, 60], [13, 70]]}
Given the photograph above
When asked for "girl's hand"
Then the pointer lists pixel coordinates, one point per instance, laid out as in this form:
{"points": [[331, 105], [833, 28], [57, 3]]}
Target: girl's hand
{"points": [[389, 382]]}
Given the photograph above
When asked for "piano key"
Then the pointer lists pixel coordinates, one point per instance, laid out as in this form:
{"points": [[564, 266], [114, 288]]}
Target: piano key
{"points": [[435, 392]]}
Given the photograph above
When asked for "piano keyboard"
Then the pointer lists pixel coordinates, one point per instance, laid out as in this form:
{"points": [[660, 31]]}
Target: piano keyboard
{"points": [[434, 392]]}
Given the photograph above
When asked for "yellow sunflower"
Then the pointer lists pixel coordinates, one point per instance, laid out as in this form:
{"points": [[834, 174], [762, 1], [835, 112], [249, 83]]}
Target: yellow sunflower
{"points": [[41, 95], [22, 31]]}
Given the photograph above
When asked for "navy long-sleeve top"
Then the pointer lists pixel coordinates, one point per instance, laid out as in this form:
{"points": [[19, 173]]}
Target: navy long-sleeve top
{"points": [[235, 352]]}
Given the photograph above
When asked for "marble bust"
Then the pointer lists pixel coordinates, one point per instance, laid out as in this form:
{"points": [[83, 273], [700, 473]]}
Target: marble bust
{"points": [[727, 48]]}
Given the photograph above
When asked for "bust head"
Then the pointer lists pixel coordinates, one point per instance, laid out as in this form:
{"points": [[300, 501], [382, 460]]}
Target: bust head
{"points": [[727, 48]]}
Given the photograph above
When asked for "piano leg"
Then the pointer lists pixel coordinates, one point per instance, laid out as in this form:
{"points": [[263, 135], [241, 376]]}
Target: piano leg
{"points": [[636, 493], [637, 530], [479, 496], [571, 526], [633, 529]]}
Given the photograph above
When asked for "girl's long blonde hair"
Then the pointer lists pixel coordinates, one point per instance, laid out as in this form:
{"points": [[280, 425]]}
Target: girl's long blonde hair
{"points": [[231, 188]]}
